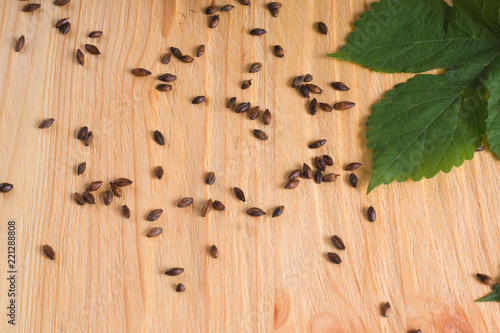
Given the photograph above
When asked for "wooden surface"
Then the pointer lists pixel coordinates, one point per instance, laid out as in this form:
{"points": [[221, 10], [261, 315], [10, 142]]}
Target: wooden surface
{"points": [[421, 255]]}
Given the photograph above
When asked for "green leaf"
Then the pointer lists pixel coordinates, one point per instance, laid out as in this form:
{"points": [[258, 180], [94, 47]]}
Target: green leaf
{"points": [[426, 125], [493, 297], [430, 123], [414, 36]]}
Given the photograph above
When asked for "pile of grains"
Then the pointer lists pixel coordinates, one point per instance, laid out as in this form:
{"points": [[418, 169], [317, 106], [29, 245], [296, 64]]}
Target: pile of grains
{"points": [[303, 84]]}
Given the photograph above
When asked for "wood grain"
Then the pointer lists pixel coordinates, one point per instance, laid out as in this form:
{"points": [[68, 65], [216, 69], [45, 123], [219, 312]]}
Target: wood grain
{"points": [[421, 255]]}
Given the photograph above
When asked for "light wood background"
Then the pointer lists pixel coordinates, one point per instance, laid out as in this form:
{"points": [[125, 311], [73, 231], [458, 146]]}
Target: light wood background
{"points": [[421, 255]]}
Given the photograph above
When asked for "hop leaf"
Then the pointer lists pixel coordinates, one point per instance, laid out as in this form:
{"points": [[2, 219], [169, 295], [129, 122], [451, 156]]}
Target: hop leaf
{"points": [[493, 297]]}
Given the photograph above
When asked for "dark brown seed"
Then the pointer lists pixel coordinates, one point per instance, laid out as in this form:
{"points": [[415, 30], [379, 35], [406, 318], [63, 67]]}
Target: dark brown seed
{"points": [[317, 144], [294, 174], [88, 138], [304, 91], [95, 34], [322, 28], [82, 132], [217, 205], [330, 178], [352, 166], [154, 232], [254, 113], [372, 215], [314, 88], [165, 59], [227, 8], [246, 2], [200, 51], [185, 202], [154, 215], [122, 182], [164, 87], [79, 199], [278, 211], [80, 57], [318, 176], [257, 32], [31, 7], [343, 105], [141, 72], [176, 52], [246, 84], [278, 51], [49, 252], [210, 179], [386, 309], [61, 2], [207, 207], [214, 251], [306, 171], [89, 197], [481, 148], [297, 81], [340, 86], [61, 22], [313, 107], [81, 168], [338, 242], [486, 279], [255, 67], [308, 78], [65, 28], [46, 123], [198, 99], [108, 198], [353, 179], [334, 257], [254, 211], [266, 117], [159, 172], [214, 21], [159, 138], [210, 10], [320, 163], [92, 49], [174, 271], [231, 102], [239, 193], [261, 135], [418, 331], [19, 44], [292, 184], [116, 190], [126, 211], [242, 107], [180, 288], [328, 160], [94, 186], [187, 59], [274, 5], [326, 107], [6, 187], [275, 12]]}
